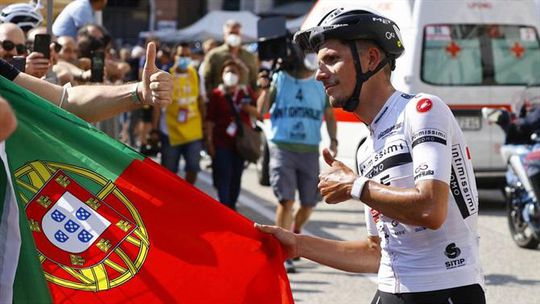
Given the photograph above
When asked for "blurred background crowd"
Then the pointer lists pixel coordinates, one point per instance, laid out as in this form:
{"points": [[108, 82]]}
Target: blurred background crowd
{"points": [[214, 64], [121, 29]]}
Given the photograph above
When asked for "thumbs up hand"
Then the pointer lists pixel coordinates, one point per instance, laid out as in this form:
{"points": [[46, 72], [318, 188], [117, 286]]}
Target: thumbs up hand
{"points": [[156, 85], [335, 184]]}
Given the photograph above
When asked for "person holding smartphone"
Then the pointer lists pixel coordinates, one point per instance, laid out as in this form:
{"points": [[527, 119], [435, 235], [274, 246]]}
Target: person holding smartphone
{"points": [[13, 43]]}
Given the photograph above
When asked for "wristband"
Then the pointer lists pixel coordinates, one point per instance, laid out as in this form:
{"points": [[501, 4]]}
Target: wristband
{"points": [[334, 140], [358, 186], [134, 96], [65, 95]]}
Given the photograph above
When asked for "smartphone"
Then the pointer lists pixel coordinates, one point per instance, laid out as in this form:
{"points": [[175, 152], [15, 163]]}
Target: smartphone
{"points": [[42, 44], [97, 66], [18, 62]]}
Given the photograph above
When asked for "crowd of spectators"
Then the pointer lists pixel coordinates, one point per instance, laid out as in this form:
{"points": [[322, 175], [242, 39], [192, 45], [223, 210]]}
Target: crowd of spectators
{"points": [[215, 86]]}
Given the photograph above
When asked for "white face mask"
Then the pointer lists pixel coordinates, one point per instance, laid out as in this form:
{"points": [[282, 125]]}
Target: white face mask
{"points": [[230, 79], [311, 62], [233, 40]]}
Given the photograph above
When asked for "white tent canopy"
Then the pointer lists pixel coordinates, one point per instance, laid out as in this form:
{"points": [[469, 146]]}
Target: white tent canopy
{"points": [[211, 26]]}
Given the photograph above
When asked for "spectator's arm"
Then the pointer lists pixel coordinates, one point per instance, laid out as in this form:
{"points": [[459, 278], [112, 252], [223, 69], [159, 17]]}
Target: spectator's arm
{"points": [[94, 103], [267, 93]]}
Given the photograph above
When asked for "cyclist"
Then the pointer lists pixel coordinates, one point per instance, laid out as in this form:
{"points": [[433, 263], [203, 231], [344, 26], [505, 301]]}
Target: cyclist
{"points": [[415, 173]]}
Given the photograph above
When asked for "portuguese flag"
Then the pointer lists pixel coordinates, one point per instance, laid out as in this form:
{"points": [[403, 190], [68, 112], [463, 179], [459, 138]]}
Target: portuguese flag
{"points": [[100, 223]]}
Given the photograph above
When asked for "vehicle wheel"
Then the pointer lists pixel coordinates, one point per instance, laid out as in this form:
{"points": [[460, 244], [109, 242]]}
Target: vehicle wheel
{"points": [[263, 165], [521, 232]]}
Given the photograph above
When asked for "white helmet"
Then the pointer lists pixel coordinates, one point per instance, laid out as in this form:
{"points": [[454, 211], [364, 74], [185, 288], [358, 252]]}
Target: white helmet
{"points": [[25, 16]]}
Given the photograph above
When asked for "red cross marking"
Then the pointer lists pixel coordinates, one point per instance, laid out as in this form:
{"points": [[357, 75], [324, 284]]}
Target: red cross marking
{"points": [[453, 49], [518, 50]]}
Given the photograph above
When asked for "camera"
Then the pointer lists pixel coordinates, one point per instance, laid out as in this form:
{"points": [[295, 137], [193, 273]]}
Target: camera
{"points": [[272, 38], [275, 44]]}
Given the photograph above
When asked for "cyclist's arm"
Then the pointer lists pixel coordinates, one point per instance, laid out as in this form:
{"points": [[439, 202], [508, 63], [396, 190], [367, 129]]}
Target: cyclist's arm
{"points": [[424, 205], [353, 256]]}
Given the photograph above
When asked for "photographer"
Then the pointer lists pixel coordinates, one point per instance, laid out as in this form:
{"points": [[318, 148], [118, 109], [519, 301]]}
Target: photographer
{"points": [[297, 105]]}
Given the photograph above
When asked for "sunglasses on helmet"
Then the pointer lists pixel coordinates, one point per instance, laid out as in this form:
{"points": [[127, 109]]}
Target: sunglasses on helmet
{"points": [[312, 39], [9, 45]]}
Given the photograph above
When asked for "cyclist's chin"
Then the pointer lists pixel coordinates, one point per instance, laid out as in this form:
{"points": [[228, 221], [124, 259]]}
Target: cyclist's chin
{"points": [[337, 101]]}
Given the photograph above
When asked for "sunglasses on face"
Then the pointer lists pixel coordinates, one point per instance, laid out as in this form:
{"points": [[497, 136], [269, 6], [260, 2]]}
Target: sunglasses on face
{"points": [[57, 47], [9, 45]]}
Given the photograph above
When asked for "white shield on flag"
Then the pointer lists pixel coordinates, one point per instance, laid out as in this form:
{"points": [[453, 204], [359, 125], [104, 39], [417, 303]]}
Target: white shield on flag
{"points": [[73, 226]]}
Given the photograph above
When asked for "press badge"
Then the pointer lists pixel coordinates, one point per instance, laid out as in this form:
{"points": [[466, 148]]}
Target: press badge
{"points": [[182, 115], [231, 129]]}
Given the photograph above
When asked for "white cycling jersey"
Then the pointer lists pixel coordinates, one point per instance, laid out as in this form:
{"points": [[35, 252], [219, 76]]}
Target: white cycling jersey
{"points": [[416, 138]]}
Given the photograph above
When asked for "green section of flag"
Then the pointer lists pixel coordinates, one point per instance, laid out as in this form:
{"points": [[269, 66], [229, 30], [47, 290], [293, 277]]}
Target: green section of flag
{"points": [[29, 285]]}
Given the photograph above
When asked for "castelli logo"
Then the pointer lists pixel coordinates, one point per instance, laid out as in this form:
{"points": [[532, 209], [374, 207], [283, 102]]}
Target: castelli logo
{"points": [[424, 105]]}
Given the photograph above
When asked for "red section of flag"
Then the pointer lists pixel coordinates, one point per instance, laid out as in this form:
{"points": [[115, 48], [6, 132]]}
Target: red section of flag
{"points": [[199, 251]]}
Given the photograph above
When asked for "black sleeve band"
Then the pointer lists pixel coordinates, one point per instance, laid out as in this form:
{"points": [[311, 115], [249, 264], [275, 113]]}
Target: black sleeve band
{"points": [[7, 70]]}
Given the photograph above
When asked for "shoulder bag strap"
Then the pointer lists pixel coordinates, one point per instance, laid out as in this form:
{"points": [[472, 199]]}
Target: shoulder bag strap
{"points": [[235, 113]]}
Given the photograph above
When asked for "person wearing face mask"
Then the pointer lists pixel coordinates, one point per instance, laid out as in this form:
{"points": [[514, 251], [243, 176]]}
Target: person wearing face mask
{"points": [[180, 123], [297, 105], [231, 49], [221, 128]]}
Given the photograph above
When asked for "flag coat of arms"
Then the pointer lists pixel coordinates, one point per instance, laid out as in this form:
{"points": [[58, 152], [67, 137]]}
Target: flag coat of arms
{"points": [[85, 218]]}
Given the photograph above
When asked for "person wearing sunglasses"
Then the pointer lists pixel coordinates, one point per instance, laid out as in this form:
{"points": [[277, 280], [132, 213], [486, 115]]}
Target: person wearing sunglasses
{"points": [[12, 41], [10, 34]]}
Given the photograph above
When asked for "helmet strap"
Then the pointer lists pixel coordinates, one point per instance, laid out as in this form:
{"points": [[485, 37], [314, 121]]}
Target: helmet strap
{"points": [[352, 103]]}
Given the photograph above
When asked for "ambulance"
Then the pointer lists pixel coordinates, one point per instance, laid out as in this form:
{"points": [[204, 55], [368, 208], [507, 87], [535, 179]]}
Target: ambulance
{"points": [[470, 53]]}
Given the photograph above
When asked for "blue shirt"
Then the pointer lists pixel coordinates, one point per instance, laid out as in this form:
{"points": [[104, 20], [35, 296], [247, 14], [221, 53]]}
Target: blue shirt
{"points": [[297, 112], [75, 15]]}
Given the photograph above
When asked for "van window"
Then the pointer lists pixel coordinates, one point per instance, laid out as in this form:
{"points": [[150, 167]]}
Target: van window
{"points": [[473, 54]]}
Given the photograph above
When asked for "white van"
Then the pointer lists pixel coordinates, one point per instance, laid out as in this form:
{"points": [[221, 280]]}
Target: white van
{"points": [[471, 53]]}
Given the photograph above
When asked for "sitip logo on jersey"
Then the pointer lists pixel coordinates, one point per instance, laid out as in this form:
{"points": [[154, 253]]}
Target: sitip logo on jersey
{"points": [[72, 226]]}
